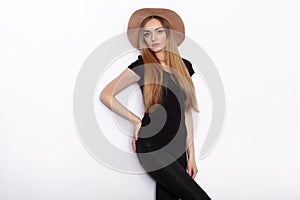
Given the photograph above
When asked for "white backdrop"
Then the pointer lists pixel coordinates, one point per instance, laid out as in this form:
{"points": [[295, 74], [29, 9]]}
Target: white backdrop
{"points": [[254, 45]]}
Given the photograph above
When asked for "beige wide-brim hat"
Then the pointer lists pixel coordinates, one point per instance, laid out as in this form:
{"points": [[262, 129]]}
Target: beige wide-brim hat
{"points": [[138, 16]]}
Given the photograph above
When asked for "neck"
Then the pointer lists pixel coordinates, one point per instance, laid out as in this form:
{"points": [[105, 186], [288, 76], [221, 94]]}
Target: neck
{"points": [[160, 56]]}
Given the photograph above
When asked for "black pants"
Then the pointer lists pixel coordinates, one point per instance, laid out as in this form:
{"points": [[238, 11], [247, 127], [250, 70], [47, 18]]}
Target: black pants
{"points": [[172, 181]]}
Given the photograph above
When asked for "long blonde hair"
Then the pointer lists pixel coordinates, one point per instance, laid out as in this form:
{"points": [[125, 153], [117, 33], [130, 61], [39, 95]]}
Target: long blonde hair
{"points": [[152, 90]]}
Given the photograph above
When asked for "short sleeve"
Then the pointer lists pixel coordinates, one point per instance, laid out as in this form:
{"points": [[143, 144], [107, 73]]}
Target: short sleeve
{"points": [[138, 67], [189, 66]]}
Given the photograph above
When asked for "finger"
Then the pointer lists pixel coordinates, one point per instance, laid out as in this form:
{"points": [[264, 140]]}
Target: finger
{"points": [[134, 148], [134, 144], [190, 171], [194, 174]]}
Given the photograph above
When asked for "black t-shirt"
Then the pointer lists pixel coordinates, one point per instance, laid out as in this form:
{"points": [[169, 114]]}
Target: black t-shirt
{"points": [[168, 116]]}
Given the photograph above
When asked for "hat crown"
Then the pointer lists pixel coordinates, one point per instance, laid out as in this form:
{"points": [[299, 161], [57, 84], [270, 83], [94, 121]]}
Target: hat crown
{"points": [[136, 19]]}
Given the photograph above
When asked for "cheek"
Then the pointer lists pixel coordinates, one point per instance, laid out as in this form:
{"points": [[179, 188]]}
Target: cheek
{"points": [[147, 42], [164, 41]]}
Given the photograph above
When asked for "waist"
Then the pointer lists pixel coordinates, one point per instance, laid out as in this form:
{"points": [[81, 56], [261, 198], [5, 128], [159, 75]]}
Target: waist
{"points": [[162, 134], [168, 124]]}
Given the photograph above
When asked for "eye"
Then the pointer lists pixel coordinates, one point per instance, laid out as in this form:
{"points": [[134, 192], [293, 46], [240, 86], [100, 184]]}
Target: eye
{"points": [[146, 34], [160, 31]]}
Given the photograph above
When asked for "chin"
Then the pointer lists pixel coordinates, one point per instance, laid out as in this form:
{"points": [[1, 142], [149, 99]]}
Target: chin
{"points": [[155, 50]]}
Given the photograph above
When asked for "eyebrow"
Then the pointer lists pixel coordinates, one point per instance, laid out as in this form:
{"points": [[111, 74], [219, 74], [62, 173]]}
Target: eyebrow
{"points": [[155, 29]]}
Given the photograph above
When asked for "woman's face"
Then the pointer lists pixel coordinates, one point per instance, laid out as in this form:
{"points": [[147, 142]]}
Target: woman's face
{"points": [[155, 35]]}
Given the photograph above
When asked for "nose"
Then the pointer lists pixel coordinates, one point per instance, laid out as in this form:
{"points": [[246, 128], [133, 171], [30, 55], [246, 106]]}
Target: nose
{"points": [[153, 37]]}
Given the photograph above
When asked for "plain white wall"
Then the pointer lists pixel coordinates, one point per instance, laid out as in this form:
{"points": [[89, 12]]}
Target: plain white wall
{"points": [[254, 45]]}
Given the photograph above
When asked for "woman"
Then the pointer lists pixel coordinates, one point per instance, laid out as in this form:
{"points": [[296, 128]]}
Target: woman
{"points": [[169, 97]]}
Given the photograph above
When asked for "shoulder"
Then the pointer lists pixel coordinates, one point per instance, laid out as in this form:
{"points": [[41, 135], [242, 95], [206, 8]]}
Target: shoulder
{"points": [[136, 63], [189, 66], [138, 67]]}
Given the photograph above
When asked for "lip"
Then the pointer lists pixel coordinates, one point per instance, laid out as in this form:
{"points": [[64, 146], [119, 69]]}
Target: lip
{"points": [[155, 44]]}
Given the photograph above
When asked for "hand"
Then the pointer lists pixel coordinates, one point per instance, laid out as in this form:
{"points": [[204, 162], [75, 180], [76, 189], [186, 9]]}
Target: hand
{"points": [[192, 168], [137, 126]]}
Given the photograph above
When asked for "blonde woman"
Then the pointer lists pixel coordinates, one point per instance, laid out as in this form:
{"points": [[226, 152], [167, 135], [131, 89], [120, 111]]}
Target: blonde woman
{"points": [[169, 97]]}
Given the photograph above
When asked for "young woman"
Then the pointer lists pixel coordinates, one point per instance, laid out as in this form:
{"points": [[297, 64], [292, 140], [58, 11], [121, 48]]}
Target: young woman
{"points": [[169, 97]]}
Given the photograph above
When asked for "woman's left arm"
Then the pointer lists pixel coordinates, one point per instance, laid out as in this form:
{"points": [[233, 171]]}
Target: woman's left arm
{"points": [[192, 168]]}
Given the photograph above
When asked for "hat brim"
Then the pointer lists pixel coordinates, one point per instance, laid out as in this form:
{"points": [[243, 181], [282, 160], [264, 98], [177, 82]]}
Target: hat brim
{"points": [[138, 16]]}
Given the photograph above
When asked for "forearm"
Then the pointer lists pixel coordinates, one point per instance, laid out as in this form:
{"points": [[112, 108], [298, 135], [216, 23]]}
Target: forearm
{"points": [[190, 134], [113, 104]]}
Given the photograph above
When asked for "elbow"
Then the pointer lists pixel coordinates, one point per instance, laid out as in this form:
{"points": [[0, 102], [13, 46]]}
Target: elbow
{"points": [[102, 96], [105, 97]]}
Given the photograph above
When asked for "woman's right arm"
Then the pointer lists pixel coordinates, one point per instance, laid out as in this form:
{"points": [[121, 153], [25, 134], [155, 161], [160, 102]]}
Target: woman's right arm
{"points": [[107, 97]]}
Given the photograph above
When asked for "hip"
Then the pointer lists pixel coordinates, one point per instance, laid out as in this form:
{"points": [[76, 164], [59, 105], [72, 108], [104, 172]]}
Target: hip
{"points": [[163, 139]]}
